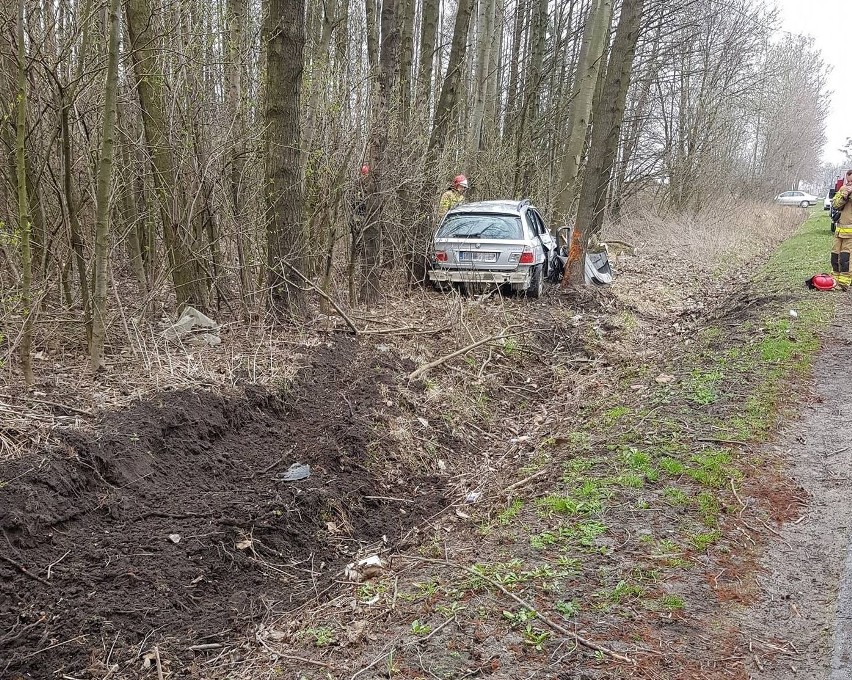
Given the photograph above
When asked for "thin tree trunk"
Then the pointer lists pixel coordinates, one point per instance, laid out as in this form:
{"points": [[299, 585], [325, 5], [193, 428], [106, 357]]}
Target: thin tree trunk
{"points": [[285, 43], [520, 20], [76, 235], [445, 110], [527, 137], [235, 23], [103, 195], [376, 154], [484, 36], [405, 21], [23, 204]]}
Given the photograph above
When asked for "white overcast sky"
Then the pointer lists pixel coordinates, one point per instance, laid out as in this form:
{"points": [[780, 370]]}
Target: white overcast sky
{"points": [[823, 19]]}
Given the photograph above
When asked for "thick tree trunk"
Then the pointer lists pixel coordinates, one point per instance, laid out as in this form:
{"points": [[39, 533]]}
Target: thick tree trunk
{"points": [[188, 277], [285, 43], [582, 97], [376, 154], [450, 89], [606, 130], [426, 55], [103, 195]]}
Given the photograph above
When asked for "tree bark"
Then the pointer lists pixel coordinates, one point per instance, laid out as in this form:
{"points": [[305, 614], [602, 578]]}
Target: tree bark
{"points": [[582, 97], [426, 55], [606, 128], [103, 195], [188, 277], [285, 43], [23, 203]]}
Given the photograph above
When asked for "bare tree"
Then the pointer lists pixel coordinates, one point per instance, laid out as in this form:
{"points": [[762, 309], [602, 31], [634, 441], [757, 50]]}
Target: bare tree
{"points": [[603, 146], [285, 241], [23, 201], [103, 195]]}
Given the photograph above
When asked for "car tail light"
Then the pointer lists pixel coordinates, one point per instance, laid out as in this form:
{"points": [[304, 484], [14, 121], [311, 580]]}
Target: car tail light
{"points": [[527, 256], [440, 256]]}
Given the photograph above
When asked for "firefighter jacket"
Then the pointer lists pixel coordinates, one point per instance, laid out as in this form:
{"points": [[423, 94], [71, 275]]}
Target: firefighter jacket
{"points": [[449, 200], [842, 203]]}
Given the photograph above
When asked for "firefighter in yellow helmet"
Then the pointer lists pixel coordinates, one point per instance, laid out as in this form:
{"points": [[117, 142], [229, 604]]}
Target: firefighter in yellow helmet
{"points": [[842, 248], [453, 196]]}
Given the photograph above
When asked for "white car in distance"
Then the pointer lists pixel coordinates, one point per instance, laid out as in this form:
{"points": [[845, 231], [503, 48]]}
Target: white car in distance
{"points": [[799, 198]]}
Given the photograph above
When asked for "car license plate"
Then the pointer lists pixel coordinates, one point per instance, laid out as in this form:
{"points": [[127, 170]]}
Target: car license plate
{"points": [[474, 256]]}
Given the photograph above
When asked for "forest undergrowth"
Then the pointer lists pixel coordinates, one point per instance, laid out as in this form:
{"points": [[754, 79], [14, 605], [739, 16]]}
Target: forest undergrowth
{"points": [[580, 494]]}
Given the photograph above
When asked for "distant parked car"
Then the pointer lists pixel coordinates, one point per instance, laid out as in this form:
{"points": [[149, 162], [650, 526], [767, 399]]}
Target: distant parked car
{"points": [[800, 198], [826, 203], [492, 243]]}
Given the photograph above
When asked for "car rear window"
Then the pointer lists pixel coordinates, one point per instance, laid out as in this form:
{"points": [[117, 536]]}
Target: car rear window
{"points": [[481, 226]]}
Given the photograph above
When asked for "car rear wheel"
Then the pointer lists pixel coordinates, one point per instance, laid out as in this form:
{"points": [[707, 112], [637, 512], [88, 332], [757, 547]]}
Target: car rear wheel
{"points": [[804, 204], [536, 287]]}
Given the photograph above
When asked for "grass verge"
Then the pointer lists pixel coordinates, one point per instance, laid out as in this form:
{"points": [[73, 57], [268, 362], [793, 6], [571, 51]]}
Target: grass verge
{"points": [[646, 520]]}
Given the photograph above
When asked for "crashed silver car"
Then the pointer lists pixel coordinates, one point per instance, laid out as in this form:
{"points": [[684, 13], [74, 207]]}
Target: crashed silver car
{"points": [[493, 243]]}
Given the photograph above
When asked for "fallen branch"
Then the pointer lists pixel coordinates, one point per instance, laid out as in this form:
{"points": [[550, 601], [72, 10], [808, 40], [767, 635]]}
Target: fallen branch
{"points": [[23, 569], [551, 624], [405, 330], [736, 495], [73, 409], [325, 296], [464, 350], [159, 663], [525, 481]]}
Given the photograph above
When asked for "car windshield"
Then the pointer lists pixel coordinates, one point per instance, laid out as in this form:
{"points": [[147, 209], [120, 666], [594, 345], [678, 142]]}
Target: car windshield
{"points": [[481, 226]]}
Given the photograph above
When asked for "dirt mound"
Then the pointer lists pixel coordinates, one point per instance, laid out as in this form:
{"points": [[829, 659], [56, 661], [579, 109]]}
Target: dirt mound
{"points": [[170, 524]]}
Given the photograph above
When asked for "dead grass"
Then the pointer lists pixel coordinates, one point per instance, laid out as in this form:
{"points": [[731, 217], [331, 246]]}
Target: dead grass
{"points": [[718, 238], [519, 403]]}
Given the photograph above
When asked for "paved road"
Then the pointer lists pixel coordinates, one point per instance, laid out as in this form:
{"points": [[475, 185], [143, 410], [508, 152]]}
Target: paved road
{"points": [[806, 612]]}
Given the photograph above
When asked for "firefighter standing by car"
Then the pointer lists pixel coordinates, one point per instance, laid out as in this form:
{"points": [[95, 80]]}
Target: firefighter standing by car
{"points": [[842, 248], [453, 196]]}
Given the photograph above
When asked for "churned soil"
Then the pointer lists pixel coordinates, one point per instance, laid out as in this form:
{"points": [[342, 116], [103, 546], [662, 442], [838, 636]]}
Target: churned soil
{"points": [[169, 524]]}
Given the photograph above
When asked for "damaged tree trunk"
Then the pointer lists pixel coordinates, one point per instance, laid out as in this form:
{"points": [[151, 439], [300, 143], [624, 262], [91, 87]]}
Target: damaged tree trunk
{"points": [[606, 129]]}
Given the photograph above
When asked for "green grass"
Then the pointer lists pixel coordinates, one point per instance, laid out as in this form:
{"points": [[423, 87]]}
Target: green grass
{"points": [[670, 457]]}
